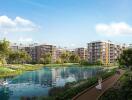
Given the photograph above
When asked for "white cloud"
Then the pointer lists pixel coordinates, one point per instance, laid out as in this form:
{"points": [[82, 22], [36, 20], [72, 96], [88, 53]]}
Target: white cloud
{"points": [[8, 25], [113, 29]]}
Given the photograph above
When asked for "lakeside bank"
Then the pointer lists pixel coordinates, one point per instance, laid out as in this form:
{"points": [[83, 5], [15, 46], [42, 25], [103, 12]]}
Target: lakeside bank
{"points": [[16, 69]]}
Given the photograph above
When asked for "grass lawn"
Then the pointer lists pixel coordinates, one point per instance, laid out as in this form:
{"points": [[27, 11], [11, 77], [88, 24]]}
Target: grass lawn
{"points": [[58, 65], [15, 69], [6, 72], [4, 69]]}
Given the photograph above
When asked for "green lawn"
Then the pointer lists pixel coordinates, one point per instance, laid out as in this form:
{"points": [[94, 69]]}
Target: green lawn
{"points": [[6, 72], [15, 69], [58, 65], [4, 69]]}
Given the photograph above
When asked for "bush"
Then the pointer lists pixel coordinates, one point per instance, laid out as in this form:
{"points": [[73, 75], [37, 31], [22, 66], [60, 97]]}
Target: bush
{"points": [[112, 94], [73, 88], [70, 93], [84, 62], [124, 92]]}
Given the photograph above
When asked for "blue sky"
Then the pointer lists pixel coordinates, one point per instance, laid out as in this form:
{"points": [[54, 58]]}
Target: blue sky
{"points": [[71, 23]]}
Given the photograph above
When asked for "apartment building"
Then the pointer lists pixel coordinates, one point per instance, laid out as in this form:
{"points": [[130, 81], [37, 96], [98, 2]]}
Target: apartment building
{"points": [[41, 49], [31, 50], [59, 51], [16, 47], [82, 53], [130, 46], [105, 51]]}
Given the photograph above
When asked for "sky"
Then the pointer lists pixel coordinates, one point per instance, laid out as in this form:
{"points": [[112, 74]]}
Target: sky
{"points": [[66, 23]]}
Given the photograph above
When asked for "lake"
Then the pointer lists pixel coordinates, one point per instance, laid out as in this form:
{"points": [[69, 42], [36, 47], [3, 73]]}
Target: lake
{"points": [[39, 82]]}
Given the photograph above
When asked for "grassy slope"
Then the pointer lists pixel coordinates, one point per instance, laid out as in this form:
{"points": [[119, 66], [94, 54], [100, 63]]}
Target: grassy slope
{"points": [[15, 69]]}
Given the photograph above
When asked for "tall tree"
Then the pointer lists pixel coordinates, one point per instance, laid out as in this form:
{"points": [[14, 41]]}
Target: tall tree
{"points": [[19, 57], [125, 58], [65, 57], [46, 58], [13, 57], [24, 57], [74, 58], [4, 50]]}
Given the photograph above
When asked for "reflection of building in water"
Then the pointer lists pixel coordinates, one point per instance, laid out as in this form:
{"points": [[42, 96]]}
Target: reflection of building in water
{"points": [[82, 73], [42, 77], [53, 76], [71, 78], [56, 75], [62, 75], [85, 75], [47, 77]]}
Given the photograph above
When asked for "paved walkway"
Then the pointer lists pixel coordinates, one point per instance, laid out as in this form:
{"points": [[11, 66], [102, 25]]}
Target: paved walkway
{"points": [[93, 93]]}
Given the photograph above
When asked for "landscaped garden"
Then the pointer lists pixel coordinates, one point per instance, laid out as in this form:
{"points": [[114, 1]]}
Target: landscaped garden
{"points": [[73, 88], [16, 62], [122, 90]]}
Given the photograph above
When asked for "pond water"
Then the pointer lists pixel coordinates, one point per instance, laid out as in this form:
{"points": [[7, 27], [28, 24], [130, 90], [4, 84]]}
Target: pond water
{"points": [[39, 82]]}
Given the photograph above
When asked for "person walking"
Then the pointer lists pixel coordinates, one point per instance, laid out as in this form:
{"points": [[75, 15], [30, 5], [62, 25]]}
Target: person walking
{"points": [[99, 86]]}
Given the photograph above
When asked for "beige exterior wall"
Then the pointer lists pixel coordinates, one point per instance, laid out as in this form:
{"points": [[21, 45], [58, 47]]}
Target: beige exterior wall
{"points": [[82, 53], [41, 49], [105, 51]]}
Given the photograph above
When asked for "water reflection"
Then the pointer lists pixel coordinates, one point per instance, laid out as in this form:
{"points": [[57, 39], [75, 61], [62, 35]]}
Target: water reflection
{"points": [[38, 83]]}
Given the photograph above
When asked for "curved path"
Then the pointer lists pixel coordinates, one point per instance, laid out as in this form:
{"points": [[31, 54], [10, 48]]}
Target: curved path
{"points": [[94, 94]]}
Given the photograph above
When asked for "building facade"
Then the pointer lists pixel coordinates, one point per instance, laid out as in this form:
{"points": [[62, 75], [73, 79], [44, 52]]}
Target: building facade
{"points": [[31, 50], [17, 47], [104, 51], [41, 49], [82, 53]]}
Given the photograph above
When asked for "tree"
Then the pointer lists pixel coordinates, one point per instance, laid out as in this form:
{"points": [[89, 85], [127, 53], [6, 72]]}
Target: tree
{"points": [[24, 57], [13, 57], [46, 58], [84, 62], [65, 57], [4, 50], [98, 62], [125, 58], [19, 57], [58, 61], [74, 58]]}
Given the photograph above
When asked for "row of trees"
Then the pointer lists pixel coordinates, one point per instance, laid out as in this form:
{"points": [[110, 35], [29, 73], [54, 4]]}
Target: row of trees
{"points": [[125, 59], [9, 56], [16, 57], [65, 57], [68, 57], [4, 50]]}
